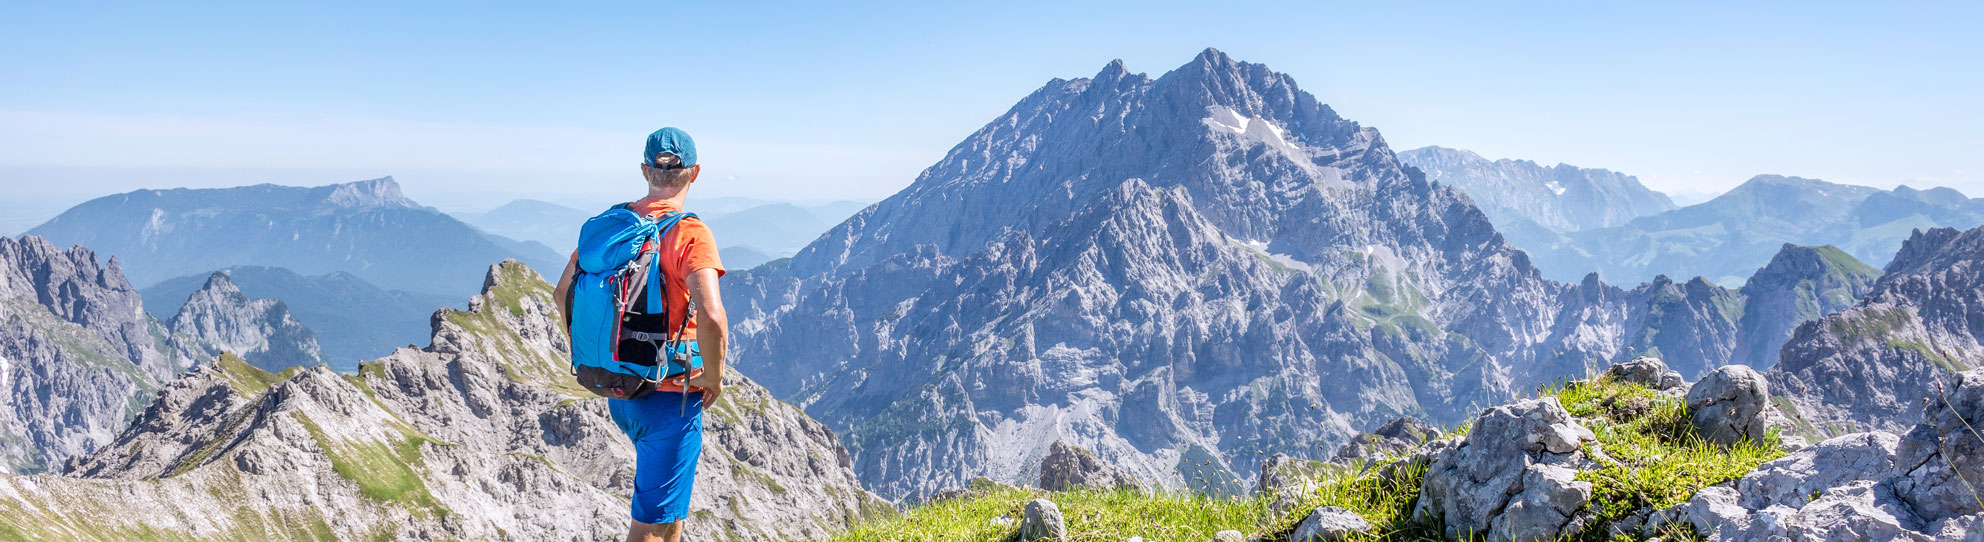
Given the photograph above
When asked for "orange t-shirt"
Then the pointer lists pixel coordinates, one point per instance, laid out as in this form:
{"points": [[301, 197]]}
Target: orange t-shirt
{"points": [[686, 248]]}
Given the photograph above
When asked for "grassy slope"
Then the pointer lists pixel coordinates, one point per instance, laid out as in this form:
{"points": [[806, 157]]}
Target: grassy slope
{"points": [[1658, 462]]}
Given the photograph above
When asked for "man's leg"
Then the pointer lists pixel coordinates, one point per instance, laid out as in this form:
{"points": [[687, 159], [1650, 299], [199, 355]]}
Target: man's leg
{"points": [[648, 532]]}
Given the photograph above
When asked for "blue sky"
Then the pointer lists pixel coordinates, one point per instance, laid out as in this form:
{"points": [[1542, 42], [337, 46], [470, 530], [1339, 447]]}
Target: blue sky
{"points": [[472, 104]]}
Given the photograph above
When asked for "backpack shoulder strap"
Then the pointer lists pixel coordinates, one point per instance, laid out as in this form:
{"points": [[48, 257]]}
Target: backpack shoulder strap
{"points": [[657, 286]]}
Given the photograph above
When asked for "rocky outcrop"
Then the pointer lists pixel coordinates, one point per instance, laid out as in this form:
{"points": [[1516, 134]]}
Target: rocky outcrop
{"points": [[1800, 283], [479, 436], [78, 356], [1873, 365], [1861, 486], [1514, 477], [218, 319], [1067, 467], [1390, 440], [1731, 405], [1649, 372]]}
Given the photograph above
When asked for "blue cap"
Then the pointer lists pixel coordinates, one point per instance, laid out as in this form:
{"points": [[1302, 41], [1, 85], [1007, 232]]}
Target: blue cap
{"points": [[670, 140]]}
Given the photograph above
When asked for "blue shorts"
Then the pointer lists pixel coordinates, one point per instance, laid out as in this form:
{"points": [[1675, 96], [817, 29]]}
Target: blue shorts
{"points": [[667, 443]]}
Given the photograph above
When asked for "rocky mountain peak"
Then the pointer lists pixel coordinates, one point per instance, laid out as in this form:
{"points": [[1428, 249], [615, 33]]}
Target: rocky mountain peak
{"points": [[1921, 249], [218, 318], [380, 192]]}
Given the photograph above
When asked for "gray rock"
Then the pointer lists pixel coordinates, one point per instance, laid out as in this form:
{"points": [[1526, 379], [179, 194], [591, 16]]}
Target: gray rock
{"points": [[1392, 439], [1330, 524], [1228, 536], [1730, 404], [1042, 522], [1792, 480], [1068, 467], [1942, 457], [1643, 370], [1513, 477]]}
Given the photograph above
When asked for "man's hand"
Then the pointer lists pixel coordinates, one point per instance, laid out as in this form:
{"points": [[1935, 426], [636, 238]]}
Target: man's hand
{"points": [[712, 384]]}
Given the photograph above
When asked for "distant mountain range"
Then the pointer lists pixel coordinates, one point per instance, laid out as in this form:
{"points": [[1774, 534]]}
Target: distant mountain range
{"points": [[749, 231], [1728, 238], [353, 320], [1522, 196], [365, 228], [1573, 221]]}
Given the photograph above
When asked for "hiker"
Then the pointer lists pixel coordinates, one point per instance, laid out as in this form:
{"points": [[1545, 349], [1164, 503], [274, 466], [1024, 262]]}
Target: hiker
{"points": [[641, 270]]}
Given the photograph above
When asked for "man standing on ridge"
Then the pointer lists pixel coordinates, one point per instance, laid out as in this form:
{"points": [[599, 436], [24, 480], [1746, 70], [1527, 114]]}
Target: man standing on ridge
{"points": [[666, 424]]}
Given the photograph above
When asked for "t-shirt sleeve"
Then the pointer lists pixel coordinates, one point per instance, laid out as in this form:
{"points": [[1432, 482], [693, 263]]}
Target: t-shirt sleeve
{"points": [[699, 249]]}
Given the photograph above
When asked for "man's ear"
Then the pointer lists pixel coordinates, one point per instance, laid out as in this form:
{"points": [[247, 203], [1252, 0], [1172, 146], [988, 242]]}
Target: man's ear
{"points": [[695, 171]]}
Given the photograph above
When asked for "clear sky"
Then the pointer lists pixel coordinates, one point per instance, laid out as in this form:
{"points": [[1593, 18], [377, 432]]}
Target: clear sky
{"points": [[471, 104]]}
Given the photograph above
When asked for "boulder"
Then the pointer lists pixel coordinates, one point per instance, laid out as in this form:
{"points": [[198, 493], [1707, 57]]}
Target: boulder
{"points": [[1229, 536], [1943, 456], [1330, 524], [1513, 478], [1042, 522], [1067, 467], [1645, 371], [1731, 404], [1393, 439]]}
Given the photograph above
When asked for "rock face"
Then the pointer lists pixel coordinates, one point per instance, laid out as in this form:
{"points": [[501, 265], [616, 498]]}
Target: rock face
{"points": [[77, 354], [482, 435], [1729, 237], [1861, 486], [353, 319], [1067, 467], [1873, 365], [1514, 478], [219, 318], [1730, 405], [1531, 203], [367, 228], [1800, 283], [1184, 274]]}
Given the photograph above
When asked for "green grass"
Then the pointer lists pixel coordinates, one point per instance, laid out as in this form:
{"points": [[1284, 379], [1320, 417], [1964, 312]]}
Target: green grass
{"points": [[1658, 462], [248, 379], [384, 472]]}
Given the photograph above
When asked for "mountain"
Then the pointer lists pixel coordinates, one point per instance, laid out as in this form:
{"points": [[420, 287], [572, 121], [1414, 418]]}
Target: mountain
{"points": [[481, 435], [219, 318], [1517, 194], [79, 355], [1180, 274], [739, 258], [366, 228], [353, 320], [1877, 363], [556, 226], [1726, 238], [1799, 284]]}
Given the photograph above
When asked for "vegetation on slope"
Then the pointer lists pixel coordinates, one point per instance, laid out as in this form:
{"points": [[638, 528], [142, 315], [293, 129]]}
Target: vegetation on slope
{"points": [[1655, 461]]}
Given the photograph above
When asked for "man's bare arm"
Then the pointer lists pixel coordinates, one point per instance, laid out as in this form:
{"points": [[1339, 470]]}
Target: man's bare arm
{"points": [[712, 331]]}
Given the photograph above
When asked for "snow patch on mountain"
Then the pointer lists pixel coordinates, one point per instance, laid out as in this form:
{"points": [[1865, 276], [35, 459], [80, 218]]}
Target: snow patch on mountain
{"points": [[1253, 130]]}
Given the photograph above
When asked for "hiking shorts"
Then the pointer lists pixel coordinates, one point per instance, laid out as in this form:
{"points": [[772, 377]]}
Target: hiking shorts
{"points": [[667, 442]]}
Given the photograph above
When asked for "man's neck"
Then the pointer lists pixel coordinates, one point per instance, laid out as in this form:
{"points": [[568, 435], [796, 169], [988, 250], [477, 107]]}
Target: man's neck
{"points": [[679, 195]]}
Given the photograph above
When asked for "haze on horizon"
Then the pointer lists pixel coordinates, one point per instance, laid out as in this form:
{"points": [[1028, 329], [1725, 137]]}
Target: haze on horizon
{"points": [[469, 106]]}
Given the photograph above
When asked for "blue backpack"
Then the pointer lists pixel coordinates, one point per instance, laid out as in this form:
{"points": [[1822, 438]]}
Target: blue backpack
{"points": [[621, 344]]}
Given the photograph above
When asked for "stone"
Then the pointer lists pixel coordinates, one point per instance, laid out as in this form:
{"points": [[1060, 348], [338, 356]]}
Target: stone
{"points": [[1067, 467], [1229, 536], [1730, 404], [1042, 521], [1943, 456], [1792, 479], [1643, 370], [1513, 478], [1330, 524], [1392, 439]]}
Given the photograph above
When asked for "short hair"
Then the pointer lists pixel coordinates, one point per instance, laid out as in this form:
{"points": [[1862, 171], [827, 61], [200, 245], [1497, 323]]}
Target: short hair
{"points": [[667, 171]]}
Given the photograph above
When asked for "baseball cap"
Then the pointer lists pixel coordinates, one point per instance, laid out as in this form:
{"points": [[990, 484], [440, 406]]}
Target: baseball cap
{"points": [[670, 140]]}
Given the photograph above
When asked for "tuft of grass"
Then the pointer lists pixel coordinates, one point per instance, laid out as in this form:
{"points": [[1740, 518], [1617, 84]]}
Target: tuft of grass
{"points": [[384, 472], [1090, 515]]}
